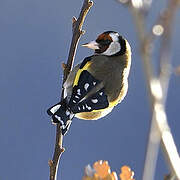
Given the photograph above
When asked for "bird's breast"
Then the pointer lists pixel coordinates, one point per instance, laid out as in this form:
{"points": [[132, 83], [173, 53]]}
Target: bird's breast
{"points": [[114, 77]]}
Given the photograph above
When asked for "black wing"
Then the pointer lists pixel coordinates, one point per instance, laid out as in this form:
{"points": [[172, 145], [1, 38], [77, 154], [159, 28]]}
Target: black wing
{"points": [[78, 103]]}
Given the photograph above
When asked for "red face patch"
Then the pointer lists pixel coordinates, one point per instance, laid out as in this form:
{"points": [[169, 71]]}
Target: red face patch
{"points": [[104, 37], [104, 40]]}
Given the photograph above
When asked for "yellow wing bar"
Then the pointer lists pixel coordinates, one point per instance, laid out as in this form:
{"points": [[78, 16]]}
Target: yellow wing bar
{"points": [[79, 73]]}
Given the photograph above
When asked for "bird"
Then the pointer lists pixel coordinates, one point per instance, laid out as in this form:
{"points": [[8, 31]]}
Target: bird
{"points": [[97, 84]]}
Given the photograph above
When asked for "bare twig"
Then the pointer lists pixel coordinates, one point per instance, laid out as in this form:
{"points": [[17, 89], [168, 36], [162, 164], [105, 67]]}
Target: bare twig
{"points": [[77, 32], [165, 61], [167, 142], [157, 88], [159, 126]]}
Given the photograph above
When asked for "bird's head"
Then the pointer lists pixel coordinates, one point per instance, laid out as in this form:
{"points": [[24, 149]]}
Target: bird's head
{"points": [[109, 43]]}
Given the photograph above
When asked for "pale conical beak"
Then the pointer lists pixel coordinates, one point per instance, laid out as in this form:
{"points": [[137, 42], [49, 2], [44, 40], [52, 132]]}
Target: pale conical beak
{"points": [[92, 45]]}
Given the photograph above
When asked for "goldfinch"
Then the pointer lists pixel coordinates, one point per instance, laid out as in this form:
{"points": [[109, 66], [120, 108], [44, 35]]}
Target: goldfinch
{"points": [[96, 85]]}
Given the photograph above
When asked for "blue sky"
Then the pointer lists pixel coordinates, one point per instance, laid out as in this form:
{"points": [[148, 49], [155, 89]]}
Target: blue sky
{"points": [[34, 40]]}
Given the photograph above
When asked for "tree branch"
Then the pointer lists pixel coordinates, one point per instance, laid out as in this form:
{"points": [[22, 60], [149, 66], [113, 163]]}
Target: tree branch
{"points": [[77, 32], [157, 88]]}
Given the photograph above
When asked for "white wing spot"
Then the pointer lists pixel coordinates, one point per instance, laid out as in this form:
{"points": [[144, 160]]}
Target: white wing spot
{"points": [[79, 108], [55, 108], [101, 93], [74, 101], [79, 92], [77, 97], [94, 100], [58, 118], [83, 107], [67, 113], [88, 107], [86, 86], [94, 83]]}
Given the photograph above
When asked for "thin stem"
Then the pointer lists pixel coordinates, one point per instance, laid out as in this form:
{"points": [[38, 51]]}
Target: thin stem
{"points": [[77, 32], [157, 88]]}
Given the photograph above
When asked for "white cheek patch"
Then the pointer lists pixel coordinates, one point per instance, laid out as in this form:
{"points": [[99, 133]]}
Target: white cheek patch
{"points": [[113, 48], [114, 37]]}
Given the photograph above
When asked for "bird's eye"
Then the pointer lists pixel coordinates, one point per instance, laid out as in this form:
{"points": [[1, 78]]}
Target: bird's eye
{"points": [[107, 41], [103, 42]]}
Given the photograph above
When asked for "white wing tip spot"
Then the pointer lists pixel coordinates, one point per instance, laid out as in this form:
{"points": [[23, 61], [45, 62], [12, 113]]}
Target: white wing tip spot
{"points": [[67, 113], [101, 93], [77, 97], [57, 117], [55, 108], [86, 86], [94, 100], [88, 107], [79, 91]]}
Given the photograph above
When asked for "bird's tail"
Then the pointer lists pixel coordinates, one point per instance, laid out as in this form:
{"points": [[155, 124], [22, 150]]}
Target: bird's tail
{"points": [[61, 114]]}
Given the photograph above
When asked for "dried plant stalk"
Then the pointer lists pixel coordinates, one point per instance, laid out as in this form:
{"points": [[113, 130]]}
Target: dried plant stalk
{"points": [[77, 32], [157, 87]]}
